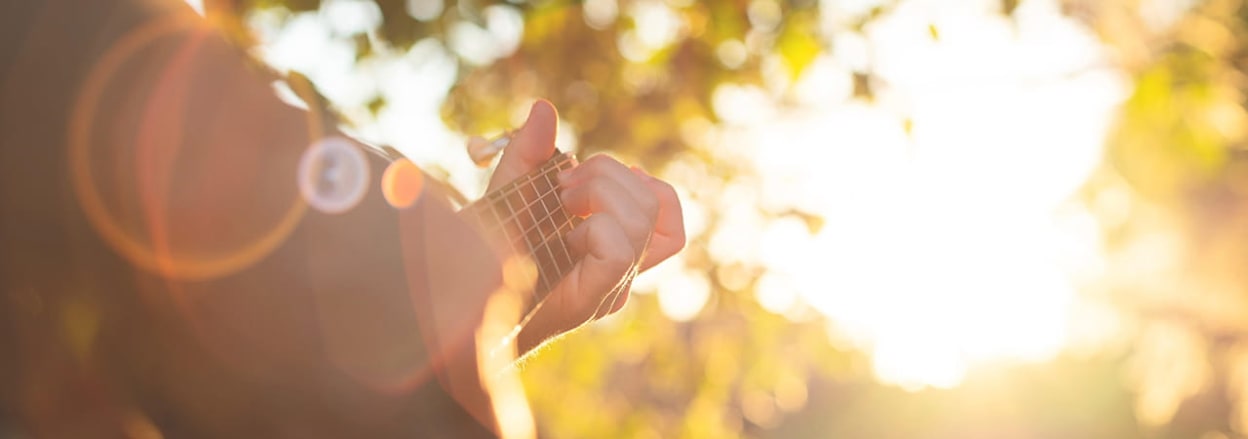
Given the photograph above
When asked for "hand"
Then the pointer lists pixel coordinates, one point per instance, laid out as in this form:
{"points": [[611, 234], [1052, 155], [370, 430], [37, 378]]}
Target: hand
{"points": [[633, 222]]}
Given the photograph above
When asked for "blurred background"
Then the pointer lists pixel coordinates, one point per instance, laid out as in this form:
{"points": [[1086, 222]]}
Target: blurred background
{"points": [[925, 218]]}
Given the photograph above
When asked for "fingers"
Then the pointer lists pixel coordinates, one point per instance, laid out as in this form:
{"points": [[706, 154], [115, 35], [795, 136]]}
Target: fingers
{"points": [[606, 260], [531, 146], [616, 191], [605, 167], [669, 226]]}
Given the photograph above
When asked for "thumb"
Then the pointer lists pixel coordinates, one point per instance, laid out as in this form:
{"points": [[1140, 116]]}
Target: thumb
{"points": [[531, 145]]}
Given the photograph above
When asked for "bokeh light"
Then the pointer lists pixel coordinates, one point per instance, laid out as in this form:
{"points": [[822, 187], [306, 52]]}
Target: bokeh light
{"points": [[402, 183]]}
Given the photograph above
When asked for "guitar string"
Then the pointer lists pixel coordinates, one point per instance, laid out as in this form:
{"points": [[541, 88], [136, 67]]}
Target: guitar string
{"points": [[526, 235], [500, 226], [513, 214], [612, 298], [513, 186], [544, 239], [508, 189], [502, 194]]}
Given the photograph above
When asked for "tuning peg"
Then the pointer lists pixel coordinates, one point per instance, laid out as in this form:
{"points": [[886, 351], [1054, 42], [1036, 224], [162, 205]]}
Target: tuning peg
{"points": [[482, 151]]}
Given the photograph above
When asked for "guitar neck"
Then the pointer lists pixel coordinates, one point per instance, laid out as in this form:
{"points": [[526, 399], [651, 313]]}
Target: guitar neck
{"points": [[528, 215]]}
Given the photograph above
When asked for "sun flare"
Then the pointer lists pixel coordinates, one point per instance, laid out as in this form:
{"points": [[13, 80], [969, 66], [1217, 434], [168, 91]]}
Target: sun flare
{"points": [[946, 240]]}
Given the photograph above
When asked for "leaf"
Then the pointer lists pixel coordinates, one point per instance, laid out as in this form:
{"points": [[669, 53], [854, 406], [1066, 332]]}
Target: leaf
{"points": [[798, 44], [303, 5], [376, 104], [397, 27], [1009, 6], [862, 86], [363, 46]]}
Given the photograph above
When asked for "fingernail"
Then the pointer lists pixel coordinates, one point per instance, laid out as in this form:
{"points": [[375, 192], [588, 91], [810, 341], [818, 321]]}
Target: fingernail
{"points": [[564, 176]]}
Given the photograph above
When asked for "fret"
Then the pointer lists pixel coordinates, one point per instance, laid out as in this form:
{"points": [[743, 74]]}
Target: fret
{"points": [[514, 213], [498, 196], [528, 215]]}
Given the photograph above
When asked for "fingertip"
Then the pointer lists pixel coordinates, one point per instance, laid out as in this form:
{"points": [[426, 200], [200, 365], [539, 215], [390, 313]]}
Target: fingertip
{"points": [[544, 110], [530, 146], [536, 139]]}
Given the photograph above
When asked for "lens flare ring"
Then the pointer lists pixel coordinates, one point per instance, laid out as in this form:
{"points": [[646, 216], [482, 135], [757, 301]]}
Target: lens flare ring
{"points": [[333, 175], [98, 215]]}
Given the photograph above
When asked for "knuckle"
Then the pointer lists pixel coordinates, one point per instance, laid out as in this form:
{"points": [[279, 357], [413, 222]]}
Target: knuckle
{"points": [[603, 188], [604, 226], [603, 162], [571, 195], [666, 189], [636, 223], [649, 204]]}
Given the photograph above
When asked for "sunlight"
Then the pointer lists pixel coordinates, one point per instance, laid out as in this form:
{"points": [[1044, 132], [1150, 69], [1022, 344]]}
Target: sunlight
{"points": [[941, 247], [197, 6]]}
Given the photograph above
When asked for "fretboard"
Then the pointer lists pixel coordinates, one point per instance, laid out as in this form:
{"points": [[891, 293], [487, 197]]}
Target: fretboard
{"points": [[528, 215]]}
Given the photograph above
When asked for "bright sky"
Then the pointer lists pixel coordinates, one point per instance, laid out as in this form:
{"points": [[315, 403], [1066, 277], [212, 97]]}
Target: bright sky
{"points": [[943, 250]]}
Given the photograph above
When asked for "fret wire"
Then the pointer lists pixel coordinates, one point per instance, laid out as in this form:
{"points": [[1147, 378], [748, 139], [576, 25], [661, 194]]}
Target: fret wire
{"points": [[532, 246], [567, 223], [537, 226], [560, 269], [559, 207], [512, 218], [498, 226], [557, 267], [507, 189], [553, 268], [551, 277], [514, 215], [512, 185], [536, 248], [507, 235], [558, 236], [566, 255]]}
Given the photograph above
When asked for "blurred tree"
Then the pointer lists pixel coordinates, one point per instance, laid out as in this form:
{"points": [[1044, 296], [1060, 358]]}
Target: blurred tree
{"points": [[626, 88]]}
